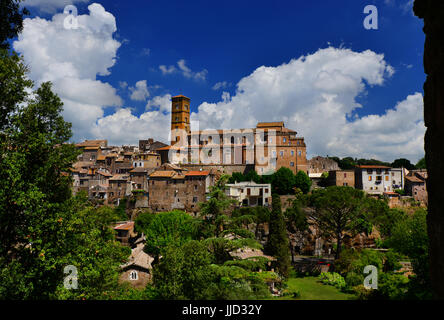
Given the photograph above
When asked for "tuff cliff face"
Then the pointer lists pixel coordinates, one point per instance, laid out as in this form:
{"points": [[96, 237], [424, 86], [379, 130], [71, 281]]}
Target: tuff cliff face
{"points": [[432, 11]]}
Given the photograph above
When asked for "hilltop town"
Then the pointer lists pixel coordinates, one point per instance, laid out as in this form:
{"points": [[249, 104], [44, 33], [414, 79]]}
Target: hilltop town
{"points": [[157, 177], [169, 179]]}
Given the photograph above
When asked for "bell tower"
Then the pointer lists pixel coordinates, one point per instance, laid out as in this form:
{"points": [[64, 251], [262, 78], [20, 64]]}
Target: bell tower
{"points": [[180, 117]]}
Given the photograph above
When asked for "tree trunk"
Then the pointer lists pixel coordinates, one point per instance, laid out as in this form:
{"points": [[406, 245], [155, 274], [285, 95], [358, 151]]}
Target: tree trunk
{"points": [[339, 245], [432, 12]]}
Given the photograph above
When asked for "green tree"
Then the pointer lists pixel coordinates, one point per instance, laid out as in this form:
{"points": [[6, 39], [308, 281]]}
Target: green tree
{"points": [[402, 163], [278, 244], [421, 164], [143, 220], [410, 238], [283, 181], [11, 20], [43, 228], [337, 210], [183, 272], [168, 228], [214, 211], [303, 182], [297, 223], [236, 177], [13, 87]]}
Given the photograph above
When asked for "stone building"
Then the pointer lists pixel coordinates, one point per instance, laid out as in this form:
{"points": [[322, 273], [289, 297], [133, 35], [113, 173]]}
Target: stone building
{"points": [[267, 147], [415, 185], [171, 187], [321, 164], [119, 187], [146, 160], [341, 178], [150, 145], [137, 271], [139, 177]]}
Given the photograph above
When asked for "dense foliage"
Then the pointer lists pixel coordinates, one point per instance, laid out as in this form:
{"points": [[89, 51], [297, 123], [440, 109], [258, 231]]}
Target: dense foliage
{"points": [[283, 181]]}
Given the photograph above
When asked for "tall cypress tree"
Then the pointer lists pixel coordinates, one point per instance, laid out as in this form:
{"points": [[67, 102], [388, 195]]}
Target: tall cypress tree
{"points": [[277, 244]]}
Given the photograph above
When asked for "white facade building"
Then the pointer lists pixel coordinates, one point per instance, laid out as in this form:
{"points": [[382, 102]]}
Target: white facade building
{"points": [[250, 193], [375, 179]]}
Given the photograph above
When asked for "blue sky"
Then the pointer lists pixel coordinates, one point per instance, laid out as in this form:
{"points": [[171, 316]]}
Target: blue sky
{"points": [[227, 41]]}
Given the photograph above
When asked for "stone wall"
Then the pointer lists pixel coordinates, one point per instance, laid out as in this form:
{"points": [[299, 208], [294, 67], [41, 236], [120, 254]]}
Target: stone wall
{"points": [[321, 164], [432, 12]]}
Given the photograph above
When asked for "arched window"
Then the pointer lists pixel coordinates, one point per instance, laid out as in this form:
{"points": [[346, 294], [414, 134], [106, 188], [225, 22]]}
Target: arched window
{"points": [[134, 275]]}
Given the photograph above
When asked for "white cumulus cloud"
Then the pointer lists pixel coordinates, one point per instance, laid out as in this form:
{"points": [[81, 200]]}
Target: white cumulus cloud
{"points": [[184, 70], [50, 6], [123, 127], [140, 91], [71, 59], [316, 95]]}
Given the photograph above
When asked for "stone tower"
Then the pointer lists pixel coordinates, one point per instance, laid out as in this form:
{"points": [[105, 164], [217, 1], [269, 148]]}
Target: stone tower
{"points": [[180, 117]]}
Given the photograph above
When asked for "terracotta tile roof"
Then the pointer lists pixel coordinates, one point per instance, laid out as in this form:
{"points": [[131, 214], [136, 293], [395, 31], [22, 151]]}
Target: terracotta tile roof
{"points": [[373, 166], [270, 124], [119, 177], [414, 179], [197, 173], [106, 174], [163, 174], [180, 96], [125, 226], [92, 143], [111, 155], [391, 193], [164, 148], [140, 170]]}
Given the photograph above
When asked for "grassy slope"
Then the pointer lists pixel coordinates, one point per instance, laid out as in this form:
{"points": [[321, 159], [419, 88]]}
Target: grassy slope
{"points": [[311, 289]]}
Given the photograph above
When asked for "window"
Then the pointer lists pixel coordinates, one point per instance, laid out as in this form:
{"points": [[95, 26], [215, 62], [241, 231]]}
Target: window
{"points": [[291, 164], [369, 171], [370, 178], [292, 153], [195, 187], [177, 107], [177, 118], [285, 140], [282, 153], [345, 184], [299, 153], [232, 140], [266, 190], [194, 199], [386, 178], [133, 275], [345, 175], [248, 191]]}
